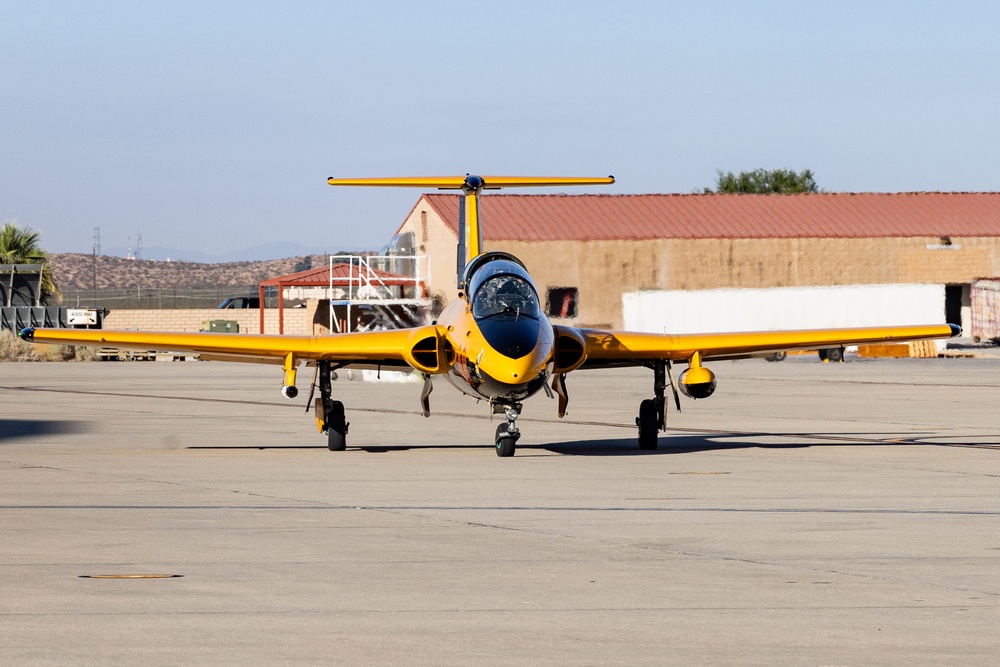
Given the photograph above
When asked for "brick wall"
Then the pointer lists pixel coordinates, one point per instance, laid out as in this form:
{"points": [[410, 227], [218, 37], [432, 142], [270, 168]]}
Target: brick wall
{"points": [[297, 320]]}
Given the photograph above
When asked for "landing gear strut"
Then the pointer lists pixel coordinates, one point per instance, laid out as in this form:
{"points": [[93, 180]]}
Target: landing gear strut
{"points": [[507, 434], [653, 411], [330, 413]]}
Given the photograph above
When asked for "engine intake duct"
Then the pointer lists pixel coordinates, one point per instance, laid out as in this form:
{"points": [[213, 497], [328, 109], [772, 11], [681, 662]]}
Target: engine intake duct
{"points": [[571, 349], [429, 351]]}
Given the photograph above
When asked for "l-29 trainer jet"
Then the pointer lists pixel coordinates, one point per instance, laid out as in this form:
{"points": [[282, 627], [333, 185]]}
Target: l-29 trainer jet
{"points": [[493, 342]]}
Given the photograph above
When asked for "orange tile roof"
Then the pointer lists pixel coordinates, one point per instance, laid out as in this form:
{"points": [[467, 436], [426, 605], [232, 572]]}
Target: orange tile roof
{"points": [[700, 216]]}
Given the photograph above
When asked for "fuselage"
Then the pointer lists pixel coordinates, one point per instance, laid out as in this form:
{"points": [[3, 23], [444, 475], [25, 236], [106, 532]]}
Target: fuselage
{"points": [[503, 342]]}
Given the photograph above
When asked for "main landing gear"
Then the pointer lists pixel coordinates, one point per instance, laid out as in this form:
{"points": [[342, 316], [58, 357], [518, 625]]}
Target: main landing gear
{"points": [[330, 413], [653, 411], [507, 434]]}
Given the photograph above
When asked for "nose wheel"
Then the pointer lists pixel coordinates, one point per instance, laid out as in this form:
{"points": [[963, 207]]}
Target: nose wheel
{"points": [[506, 441], [507, 434]]}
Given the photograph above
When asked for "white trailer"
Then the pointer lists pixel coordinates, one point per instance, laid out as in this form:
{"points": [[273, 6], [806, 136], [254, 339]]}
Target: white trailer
{"points": [[779, 308]]}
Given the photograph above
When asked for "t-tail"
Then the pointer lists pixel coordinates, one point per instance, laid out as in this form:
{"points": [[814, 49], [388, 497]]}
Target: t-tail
{"points": [[470, 235]]}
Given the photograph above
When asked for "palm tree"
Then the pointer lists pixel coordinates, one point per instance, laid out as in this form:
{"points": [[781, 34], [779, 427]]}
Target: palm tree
{"points": [[19, 245]]}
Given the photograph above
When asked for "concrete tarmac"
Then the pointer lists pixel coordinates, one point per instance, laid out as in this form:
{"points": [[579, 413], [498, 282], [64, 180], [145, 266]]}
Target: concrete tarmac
{"points": [[806, 514]]}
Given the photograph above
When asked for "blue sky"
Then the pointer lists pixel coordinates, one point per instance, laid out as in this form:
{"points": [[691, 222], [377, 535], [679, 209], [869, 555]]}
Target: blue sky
{"points": [[212, 126]]}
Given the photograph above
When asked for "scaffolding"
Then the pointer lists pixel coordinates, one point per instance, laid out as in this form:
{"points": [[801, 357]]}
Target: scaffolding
{"points": [[371, 292], [390, 289]]}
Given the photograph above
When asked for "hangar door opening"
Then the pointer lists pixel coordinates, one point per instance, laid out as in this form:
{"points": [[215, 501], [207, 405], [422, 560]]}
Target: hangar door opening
{"points": [[958, 305]]}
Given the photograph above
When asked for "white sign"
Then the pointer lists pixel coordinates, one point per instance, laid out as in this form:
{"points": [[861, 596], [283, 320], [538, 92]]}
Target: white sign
{"points": [[81, 316]]}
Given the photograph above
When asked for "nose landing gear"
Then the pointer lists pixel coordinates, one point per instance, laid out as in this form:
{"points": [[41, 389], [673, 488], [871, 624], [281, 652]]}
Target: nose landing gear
{"points": [[507, 434]]}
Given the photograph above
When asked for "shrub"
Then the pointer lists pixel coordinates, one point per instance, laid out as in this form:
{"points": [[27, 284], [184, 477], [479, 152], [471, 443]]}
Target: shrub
{"points": [[13, 348]]}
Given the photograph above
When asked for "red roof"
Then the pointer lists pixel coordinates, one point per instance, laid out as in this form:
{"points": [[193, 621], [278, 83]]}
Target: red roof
{"points": [[341, 276], [701, 216]]}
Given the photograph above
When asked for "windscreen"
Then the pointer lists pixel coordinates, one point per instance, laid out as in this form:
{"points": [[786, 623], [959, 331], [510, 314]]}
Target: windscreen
{"points": [[505, 295]]}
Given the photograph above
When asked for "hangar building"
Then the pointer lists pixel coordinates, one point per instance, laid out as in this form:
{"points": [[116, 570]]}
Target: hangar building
{"points": [[586, 251]]}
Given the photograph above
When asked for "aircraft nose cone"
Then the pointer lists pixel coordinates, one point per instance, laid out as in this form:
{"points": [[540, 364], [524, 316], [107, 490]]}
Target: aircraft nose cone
{"points": [[517, 371]]}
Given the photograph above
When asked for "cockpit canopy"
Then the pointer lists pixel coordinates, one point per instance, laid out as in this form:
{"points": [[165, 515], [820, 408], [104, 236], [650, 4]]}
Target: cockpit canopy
{"points": [[502, 287], [505, 294]]}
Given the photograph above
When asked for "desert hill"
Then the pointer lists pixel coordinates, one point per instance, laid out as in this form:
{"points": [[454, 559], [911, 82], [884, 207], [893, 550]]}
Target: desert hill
{"points": [[76, 272]]}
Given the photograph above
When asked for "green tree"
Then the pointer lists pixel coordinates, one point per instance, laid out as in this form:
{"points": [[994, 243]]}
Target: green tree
{"points": [[764, 182], [20, 245]]}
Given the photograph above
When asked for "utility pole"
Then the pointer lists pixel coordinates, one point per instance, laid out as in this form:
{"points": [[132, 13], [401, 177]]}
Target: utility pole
{"points": [[97, 251]]}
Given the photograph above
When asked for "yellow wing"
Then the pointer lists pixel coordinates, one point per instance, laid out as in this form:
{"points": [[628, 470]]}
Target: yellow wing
{"points": [[419, 347], [609, 348]]}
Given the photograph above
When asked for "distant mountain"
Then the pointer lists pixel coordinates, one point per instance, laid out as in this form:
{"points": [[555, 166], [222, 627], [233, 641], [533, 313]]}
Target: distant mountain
{"points": [[262, 252], [78, 272]]}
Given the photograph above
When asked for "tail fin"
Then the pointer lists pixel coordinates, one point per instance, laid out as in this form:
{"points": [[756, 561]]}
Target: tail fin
{"points": [[469, 233], [462, 249]]}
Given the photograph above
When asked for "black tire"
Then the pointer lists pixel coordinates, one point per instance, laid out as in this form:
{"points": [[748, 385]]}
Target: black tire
{"points": [[647, 424], [835, 354], [777, 356], [505, 443], [336, 427]]}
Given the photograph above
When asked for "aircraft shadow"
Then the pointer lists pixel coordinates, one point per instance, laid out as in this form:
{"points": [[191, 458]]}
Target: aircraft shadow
{"points": [[31, 428], [668, 444], [371, 449], [686, 444]]}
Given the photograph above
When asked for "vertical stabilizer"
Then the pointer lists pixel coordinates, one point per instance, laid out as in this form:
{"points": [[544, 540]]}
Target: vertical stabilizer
{"points": [[462, 260], [474, 233]]}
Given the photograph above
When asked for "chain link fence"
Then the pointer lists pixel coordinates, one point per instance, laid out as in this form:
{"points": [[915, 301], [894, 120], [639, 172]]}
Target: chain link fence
{"points": [[157, 297]]}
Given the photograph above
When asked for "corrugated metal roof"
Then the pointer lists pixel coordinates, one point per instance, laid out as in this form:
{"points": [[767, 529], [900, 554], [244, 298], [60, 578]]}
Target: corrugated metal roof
{"points": [[709, 216]]}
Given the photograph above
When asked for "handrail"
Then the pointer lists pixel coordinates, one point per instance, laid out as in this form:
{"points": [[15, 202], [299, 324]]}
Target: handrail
{"points": [[362, 275]]}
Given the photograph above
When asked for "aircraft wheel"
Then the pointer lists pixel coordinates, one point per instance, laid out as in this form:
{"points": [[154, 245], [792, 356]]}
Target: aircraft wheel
{"points": [[505, 443], [336, 427], [646, 422], [832, 354]]}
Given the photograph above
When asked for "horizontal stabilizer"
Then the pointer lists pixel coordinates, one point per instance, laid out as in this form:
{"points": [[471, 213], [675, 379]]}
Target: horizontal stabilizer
{"points": [[475, 182]]}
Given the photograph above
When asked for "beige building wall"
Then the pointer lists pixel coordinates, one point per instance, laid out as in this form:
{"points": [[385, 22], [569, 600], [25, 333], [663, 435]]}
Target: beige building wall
{"points": [[711, 263], [439, 243], [296, 320]]}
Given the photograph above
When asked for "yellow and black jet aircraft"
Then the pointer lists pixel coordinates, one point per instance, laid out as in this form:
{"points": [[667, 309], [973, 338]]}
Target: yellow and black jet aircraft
{"points": [[494, 342]]}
